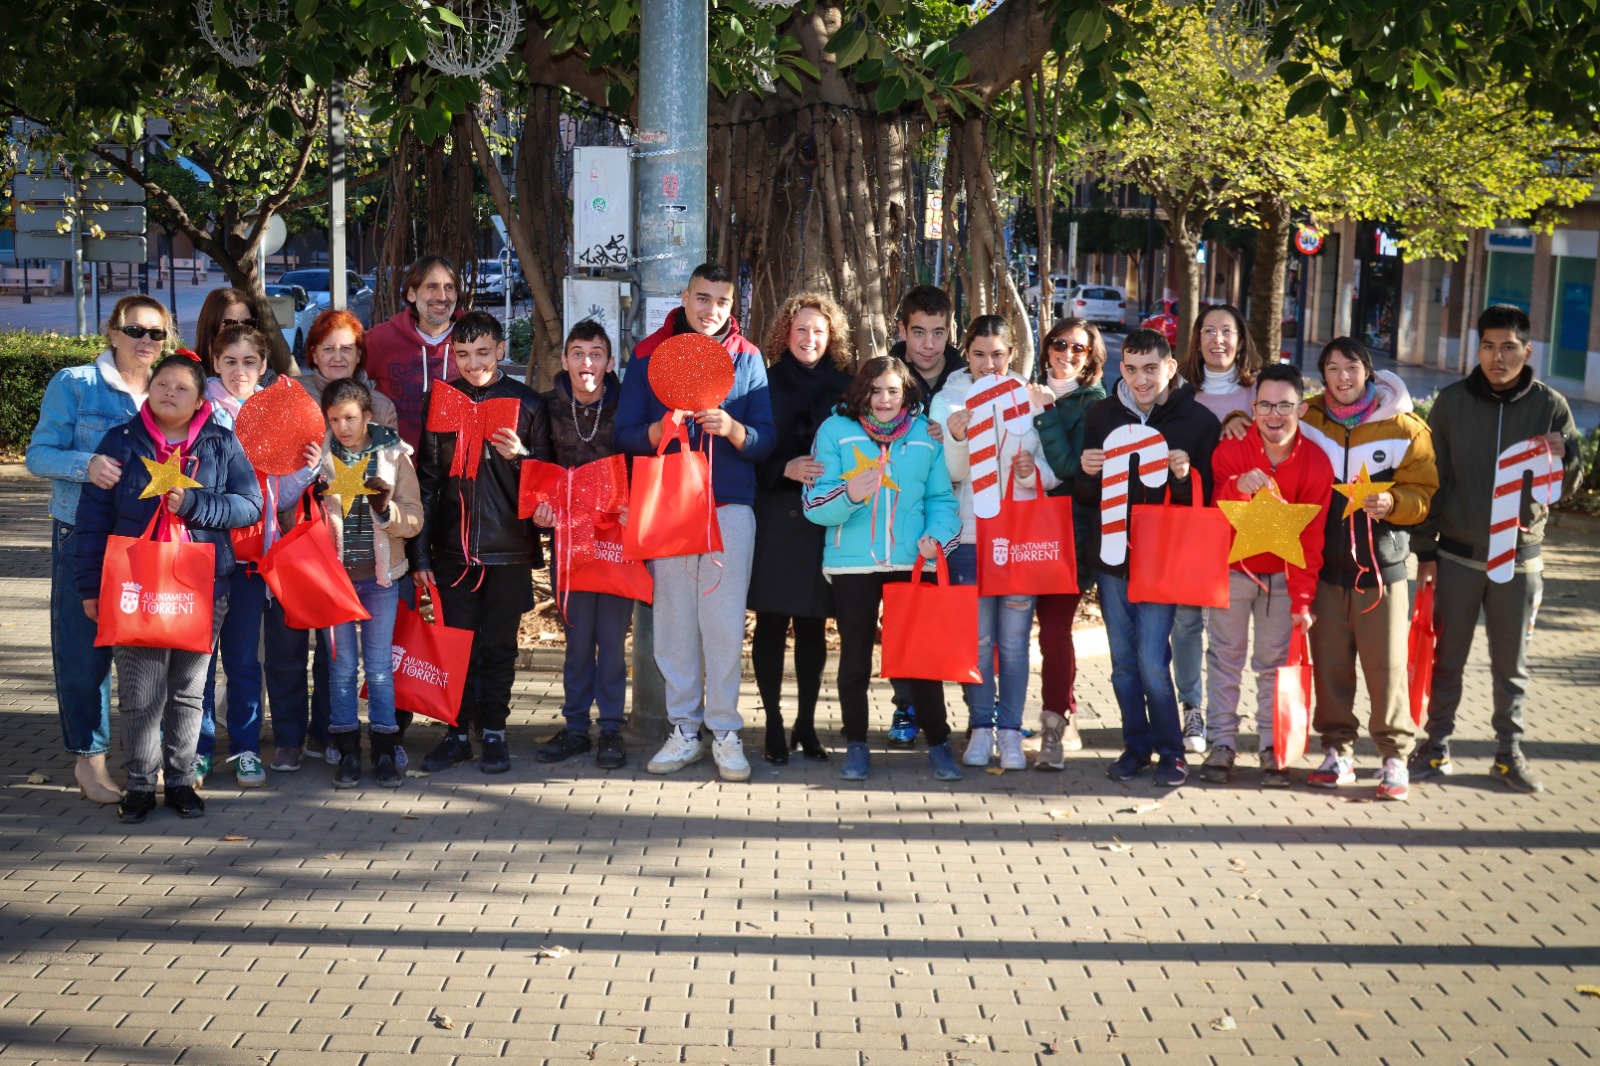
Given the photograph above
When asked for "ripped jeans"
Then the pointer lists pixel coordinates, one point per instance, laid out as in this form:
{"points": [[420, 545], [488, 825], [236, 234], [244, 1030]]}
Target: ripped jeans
{"points": [[1005, 622]]}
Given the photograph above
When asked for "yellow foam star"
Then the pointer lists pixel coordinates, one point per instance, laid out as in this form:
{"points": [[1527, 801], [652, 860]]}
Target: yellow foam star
{"points": [[864, 463], [166, 476], [1361, 488], [1266, 524], [348, 482]]}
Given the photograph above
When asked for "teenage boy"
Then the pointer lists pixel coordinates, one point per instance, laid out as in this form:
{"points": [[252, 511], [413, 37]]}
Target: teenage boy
{"points": [[699, 599], [924, 342], [1473, 421], [412, 350], [1364, 420], [1149, 393], [473, 547], [581, 410], [1264, 588]]}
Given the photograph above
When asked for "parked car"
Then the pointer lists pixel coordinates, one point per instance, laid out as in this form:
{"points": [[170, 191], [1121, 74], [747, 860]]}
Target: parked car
{"points": [[1164, 321], [318, 286], [489, 280], [1101, 304], [1060, 286], [297, 329]]}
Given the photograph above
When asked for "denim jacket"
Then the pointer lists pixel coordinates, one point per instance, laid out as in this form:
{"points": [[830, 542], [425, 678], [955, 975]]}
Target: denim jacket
{"points": [[81, 405]]}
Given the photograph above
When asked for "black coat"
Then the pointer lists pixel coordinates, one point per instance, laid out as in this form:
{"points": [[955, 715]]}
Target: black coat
{"points": [[786, 577], [491, 534]]}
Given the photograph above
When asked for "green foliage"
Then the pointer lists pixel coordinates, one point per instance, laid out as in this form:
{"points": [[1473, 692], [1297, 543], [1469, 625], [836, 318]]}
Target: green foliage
{"points": [[27, 363], [519, 340]]}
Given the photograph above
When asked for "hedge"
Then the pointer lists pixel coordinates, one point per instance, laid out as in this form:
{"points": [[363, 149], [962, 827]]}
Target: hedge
{"points": [[27, 363]]}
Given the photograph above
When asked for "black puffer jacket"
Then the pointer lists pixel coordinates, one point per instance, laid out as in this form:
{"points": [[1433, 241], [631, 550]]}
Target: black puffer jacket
{"points": [[492, 534], [569, 427]]}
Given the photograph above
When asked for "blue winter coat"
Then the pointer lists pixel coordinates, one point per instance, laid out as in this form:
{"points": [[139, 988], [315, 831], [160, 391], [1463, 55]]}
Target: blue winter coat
{"points": [[924, 504], [81, 404], [230, 498]]}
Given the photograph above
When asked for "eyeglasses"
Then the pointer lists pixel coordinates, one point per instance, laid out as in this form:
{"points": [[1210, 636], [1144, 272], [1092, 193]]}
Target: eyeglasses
{"points": [[240, 322], [1061, 344], [1213, 333], [139, 333], [349, 351], [1286, 407]]}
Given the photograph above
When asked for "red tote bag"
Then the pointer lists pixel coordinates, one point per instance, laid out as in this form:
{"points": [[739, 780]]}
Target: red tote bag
{"points": [[303, 571], [157, 590], [930, 631], [1419, 657], [1178, 554], [609, 569], [1027, 549], [1291, 707], [430, 663], [671, 509]]}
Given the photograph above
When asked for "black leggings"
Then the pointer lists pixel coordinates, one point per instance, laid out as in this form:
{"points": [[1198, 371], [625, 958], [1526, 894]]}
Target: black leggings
{"points": [[857, 598], [810, 653]]}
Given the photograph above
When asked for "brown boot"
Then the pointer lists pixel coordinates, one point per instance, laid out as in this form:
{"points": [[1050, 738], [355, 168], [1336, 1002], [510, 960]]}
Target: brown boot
{"points": [[94, 781]]}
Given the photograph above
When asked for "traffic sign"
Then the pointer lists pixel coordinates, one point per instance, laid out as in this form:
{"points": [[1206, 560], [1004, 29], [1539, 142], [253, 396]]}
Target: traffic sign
{"points": [[1308, 240], [111, 220], [115, 249]]}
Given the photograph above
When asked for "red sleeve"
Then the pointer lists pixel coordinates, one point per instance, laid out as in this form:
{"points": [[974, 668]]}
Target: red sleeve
{"points": [[1232, 458], [1314, 485]]}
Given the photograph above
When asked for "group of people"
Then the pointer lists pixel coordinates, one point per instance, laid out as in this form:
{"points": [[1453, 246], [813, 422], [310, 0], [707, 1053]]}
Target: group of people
{"points": [[832, 478]]}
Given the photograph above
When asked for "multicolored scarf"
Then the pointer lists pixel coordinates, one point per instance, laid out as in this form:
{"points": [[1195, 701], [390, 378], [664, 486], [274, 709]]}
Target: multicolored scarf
{"points": [[888, 432], [1356, 413]]}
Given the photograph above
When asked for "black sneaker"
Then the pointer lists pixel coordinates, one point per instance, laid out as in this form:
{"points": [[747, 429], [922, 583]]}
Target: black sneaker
{"points": [[453, 750], [1129, 765], [1513, 769], [1430, 760], [612, 755], [348, 773], [564, 745], [1218, 767], [1171, 771], [496, 757], [186, 801], [135, 807]]}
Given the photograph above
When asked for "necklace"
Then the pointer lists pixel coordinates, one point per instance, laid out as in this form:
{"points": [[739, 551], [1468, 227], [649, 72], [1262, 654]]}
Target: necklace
{"points": [[577, 428]]}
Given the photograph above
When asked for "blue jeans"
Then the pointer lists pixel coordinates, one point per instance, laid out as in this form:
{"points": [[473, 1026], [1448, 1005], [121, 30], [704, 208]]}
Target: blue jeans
{"points": [[1141, 669], [374, 654], [1188, 651], [1008, 622], [236, 647], [83, 671], [595, 671], [290, 700]]}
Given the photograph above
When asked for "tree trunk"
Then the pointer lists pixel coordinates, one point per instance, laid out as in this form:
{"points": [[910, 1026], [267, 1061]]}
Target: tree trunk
{"points": [[1183, 235], [1266, 283], [990, 288]]}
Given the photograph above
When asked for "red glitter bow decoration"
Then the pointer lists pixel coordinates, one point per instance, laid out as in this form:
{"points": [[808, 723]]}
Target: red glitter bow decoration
{"points": [[585, 499], [451, 411]]}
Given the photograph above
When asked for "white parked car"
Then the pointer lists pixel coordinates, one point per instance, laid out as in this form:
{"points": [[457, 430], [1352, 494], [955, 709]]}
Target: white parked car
{"points": [[490, 280], [296, 330], [1101, 304], [358, 298], [1060, 285]]}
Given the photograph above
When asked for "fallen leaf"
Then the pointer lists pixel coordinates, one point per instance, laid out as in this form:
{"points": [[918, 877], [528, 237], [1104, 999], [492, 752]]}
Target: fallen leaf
{"points": [[1254, 895], [415, 773], [1116, 845], [1224, 1023], [1053, 1047], [36, 778], [968, 1038], [333, 855], [551, 952], [410, 817], [443, 1021], [1589, 990], [901, 972], [996, 770], [1143, 808], [1063, 812], [594, 1049], [234, 839], [1237, 866]]}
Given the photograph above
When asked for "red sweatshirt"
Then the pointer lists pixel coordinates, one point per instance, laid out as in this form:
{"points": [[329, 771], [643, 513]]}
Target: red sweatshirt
{"points": [[1305, 476], [403, 365]]}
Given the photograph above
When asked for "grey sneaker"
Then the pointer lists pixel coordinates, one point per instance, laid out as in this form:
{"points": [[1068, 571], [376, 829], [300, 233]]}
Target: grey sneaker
{"points": [[1273, 775], [1430, 760], [1218, 767], [1513, 769], [1194, 728], [1052, 728]]}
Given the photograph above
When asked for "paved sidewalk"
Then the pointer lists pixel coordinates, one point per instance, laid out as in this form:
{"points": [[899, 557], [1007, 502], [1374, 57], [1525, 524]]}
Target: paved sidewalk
{"points": [[1011, 918]]}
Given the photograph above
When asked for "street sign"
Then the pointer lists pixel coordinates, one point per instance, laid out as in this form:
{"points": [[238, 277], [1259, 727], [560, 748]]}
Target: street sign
{"points": [[33, 187], [117, 249], [112, 220], [114, 188], [1308, 240]]}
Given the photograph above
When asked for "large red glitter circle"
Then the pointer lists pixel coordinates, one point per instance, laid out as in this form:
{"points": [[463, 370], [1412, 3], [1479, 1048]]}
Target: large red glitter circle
{"points": [[275, 425], [691, 372]]}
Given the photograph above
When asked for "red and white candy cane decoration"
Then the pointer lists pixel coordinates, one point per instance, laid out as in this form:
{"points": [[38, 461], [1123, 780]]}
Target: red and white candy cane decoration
{"points": [[1532, 456], [996, 401], [1121, 445]]}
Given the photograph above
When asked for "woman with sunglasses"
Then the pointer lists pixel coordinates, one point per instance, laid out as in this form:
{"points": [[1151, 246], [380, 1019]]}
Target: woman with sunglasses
{"points": [[1074, 358], [81, 404], [223, 308]]}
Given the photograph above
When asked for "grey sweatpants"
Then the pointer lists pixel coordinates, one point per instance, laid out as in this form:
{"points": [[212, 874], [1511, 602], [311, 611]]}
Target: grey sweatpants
{"points": [[159, 696], [699, 625], [1353, 624], [1508, 612], [1228, 645]]}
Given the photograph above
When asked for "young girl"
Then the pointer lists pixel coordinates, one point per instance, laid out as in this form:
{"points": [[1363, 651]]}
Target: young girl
{"points": [[1003, 620], [370, 537], [160, 690], [1074, 356], [1221, 365], [895, 513]]}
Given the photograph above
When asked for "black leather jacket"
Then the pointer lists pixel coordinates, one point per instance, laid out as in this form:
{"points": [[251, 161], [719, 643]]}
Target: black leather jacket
{"points": [[491, 534]]}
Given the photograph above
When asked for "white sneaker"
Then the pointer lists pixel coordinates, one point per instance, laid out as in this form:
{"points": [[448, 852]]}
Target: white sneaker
{"points": [[679, 751], [728, 754], [1070, 740], [980, 749], [1194, 728], [247, 770], [1010, 744]]}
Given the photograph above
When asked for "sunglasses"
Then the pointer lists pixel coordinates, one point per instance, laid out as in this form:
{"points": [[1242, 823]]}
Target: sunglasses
{"points": [[139, 333], [240, 322], [1060, 344]]}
